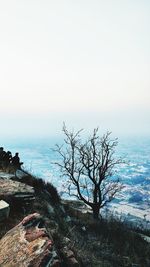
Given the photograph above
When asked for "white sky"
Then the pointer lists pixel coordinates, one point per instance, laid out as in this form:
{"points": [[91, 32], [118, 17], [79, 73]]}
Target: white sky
{"points": [[86, 62]]}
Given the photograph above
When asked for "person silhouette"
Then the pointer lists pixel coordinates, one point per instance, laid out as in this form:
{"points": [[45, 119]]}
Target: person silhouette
{"points": [[2, 154], [16, 161], [7, 160]]}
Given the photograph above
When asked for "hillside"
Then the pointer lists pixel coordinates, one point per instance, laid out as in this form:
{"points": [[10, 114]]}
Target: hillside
{"points": [[72, 237]]}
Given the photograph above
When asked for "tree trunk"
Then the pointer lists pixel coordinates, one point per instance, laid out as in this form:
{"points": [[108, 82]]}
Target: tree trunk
{"points": [[96, 209]]}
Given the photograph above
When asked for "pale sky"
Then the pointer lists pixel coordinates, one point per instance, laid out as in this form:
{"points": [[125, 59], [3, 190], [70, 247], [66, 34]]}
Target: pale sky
{"points": [[85, 62]]}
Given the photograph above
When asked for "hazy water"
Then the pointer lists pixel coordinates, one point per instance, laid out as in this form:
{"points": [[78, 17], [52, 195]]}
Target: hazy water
{"points": [[38, 158]]}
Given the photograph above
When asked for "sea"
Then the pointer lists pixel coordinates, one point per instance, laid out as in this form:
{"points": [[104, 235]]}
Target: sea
{"points": [[39, 159]]}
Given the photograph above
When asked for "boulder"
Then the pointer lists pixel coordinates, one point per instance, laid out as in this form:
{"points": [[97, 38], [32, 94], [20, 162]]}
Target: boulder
{"points": [[78, 210], [4, 210], [15, 192], [69, 257], [28, 244]]}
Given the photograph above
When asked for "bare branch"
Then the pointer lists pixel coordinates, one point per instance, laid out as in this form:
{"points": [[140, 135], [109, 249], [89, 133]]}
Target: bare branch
{"points": [[89, 167]]}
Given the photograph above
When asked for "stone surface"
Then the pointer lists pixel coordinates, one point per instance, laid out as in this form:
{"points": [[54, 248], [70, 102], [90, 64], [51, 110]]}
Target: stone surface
{"points": [[15, 191], [78, 210], [4, 210], [28, 244], [69, 257], [21, 173], [6, 175]]}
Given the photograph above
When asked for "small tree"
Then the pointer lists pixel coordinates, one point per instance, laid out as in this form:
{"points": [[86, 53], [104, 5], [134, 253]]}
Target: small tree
{"points": [[90, 168]]}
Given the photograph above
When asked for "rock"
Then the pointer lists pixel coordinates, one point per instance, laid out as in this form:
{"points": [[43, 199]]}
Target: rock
{"points": [[4, 210], [78, 210], [15, 192], [20, 174], [69, 257], [6, 175], [145, 237], [69, 253], [28, 244], [66, 240], [83, 229], [72, 262]]}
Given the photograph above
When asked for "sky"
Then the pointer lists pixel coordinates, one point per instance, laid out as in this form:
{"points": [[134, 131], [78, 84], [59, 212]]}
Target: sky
{"points": [[84, 62]]}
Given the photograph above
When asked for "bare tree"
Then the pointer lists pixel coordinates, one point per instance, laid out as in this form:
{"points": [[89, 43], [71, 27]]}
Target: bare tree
{"points": [[90, 167]]}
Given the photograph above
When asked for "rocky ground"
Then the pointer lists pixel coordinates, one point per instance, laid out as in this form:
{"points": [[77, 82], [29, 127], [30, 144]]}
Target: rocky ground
{"points": [[43, 230]]}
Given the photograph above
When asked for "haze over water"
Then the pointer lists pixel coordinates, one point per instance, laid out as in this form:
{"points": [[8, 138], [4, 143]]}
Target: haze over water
{"points": [[38, 157]]}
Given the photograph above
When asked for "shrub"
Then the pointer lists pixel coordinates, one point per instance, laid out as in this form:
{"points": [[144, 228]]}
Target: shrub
{"points": [[40, 185]]}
